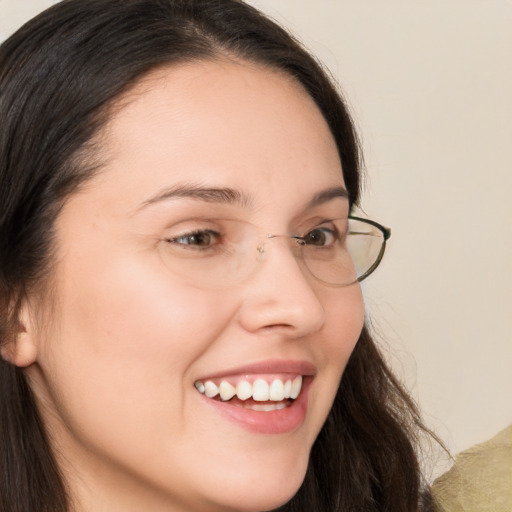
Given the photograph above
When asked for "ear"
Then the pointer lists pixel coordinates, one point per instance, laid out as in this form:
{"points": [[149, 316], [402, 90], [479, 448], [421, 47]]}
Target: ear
{"points": [[21, 349]]}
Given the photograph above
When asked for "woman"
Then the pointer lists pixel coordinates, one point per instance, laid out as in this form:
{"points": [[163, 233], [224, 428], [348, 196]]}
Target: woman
{"points": [[178, 304]]}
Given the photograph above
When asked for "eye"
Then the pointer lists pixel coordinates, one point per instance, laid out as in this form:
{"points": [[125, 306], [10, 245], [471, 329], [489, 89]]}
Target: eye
{"points": [[201, 239], [323, 236]]}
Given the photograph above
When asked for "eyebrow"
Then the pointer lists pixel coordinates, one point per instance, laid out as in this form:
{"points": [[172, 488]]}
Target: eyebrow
{"points": [[222, 195], [327, 195], [226, 195]]}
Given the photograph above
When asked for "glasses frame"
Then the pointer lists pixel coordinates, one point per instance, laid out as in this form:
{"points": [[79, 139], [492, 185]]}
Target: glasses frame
{"points": [[382, 238], [386, 234]]}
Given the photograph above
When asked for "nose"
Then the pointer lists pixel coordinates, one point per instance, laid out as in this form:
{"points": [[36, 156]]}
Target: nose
{"points": [[280, 296]]}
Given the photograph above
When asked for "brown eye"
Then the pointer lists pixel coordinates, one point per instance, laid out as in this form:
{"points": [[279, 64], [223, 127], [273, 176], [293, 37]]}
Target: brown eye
{"points": [[320, 237], [196, 239]]}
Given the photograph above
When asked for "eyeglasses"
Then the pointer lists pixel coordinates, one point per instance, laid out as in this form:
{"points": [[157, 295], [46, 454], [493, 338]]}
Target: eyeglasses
{"points": [[337, 252]]}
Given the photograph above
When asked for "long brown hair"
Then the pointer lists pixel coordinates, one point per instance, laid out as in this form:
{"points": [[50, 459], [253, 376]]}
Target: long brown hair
{"points": [[59, 76]]}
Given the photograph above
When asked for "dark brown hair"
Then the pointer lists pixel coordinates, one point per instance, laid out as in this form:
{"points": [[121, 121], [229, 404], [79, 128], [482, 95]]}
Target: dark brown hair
{"points": [[59, 75]]}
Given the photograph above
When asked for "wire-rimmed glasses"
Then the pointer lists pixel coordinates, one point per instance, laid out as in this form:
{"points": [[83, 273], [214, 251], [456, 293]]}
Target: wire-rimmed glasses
{"points": [[337, 252]]}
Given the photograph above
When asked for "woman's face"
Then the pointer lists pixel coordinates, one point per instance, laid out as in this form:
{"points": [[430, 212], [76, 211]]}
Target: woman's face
{"points": [[219, 150]]}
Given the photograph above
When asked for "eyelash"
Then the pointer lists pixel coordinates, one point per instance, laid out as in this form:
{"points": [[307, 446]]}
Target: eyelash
{"points": [[196, 233]]}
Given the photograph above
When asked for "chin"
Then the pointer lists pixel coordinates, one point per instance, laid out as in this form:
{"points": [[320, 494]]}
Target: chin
{"points": [[260, 499], [265, 492]]}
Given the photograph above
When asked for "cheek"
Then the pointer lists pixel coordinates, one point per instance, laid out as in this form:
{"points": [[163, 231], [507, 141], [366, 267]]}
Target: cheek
{"points": [[344, 321], [344, 309], [131, 312], [125, 340]]}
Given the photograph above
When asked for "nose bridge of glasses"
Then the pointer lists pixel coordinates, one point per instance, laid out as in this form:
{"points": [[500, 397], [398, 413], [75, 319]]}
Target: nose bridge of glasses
{"points": [[287, 248], [295, 242]]}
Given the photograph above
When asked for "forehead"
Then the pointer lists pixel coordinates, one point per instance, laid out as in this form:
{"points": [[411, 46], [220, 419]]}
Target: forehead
{"points": [[223, 123]]}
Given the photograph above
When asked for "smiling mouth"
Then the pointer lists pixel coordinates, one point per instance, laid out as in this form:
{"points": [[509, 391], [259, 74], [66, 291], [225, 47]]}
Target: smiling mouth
{"points": [[261, 394]]}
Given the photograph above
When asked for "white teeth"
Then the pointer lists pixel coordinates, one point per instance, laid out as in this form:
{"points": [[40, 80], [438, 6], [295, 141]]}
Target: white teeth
{"points": [[210, 389], [244, 390], [226, 390], [276, 392], [296, 387], [260, 390], [287, 388]]}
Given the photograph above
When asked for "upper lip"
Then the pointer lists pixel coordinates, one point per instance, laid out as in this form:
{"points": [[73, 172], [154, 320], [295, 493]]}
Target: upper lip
{"points": [[294, 367]]}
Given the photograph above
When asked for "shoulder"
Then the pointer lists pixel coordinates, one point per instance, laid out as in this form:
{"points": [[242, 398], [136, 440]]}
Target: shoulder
{"points": [[480, 479]]}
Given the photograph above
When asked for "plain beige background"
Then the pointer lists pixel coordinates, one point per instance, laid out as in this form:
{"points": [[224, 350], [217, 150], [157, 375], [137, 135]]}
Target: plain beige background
{"points": [[430, 87]]}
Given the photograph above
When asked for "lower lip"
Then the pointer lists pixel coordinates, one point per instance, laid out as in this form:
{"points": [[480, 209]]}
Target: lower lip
{"points": [[266, 422]]}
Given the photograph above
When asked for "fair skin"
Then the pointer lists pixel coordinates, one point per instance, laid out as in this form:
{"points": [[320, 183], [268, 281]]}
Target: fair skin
{"points": [[114, 371]]}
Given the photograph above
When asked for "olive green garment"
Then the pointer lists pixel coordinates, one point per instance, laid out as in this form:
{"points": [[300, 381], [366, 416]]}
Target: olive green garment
{"points": [[480, 479]]}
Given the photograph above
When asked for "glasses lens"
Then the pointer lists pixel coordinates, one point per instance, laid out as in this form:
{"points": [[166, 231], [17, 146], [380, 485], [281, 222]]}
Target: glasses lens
{"points": [[350, 251], [337, 252]]}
